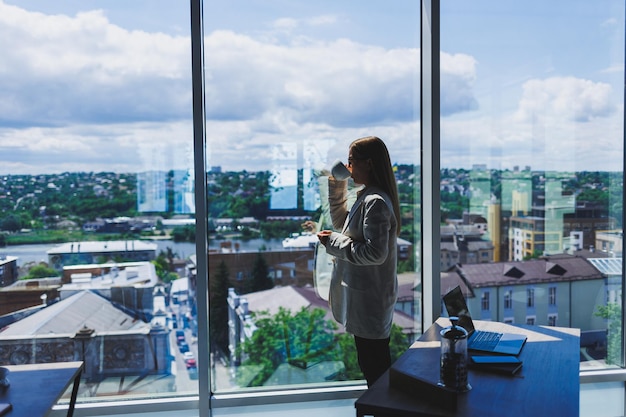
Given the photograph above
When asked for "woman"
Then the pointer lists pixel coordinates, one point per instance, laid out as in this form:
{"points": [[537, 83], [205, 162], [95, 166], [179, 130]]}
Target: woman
{"points": [[363, 286]]}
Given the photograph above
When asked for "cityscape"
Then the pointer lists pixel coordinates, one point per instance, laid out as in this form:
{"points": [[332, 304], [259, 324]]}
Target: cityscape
{"points": [[514, 262], [504, 120]]}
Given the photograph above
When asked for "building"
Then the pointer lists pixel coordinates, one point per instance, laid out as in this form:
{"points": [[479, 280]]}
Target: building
{"points": [[29, 293], [609, 241], [464, 244], [242, 326], [504, 133], [129, 285], [8, 270], [528, 238], [87, 327], [94, 252], [286, 266], [560, 290]]}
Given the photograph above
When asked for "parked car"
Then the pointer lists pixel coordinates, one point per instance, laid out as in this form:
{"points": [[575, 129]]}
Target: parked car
{"points": [[183, 347], [190, 360], [180, 336], [190, 363]]}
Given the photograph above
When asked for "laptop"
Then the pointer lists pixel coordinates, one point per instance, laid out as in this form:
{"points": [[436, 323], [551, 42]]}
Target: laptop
{"points": [[479, 340]]}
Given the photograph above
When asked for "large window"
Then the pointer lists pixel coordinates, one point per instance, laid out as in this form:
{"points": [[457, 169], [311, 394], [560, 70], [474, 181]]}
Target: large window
{"points": [[97, 186], [532, 133], [98, 230], [288, 87], [96, 193]]}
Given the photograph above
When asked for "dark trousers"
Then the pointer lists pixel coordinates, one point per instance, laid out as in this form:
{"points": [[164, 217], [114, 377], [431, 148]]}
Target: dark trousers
{"points": [[374, 357]]}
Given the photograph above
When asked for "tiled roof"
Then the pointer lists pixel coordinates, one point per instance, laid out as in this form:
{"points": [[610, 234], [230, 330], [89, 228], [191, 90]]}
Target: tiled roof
{"points": [[551, 269], [72, 314]]}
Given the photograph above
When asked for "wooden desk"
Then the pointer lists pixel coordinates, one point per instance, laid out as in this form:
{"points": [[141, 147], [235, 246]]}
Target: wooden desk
{"points": [[547, 385], [36, 388]]}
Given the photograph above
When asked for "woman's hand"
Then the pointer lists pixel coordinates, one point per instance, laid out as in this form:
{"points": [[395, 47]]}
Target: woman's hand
{"points": [[323, 236], [309, 226]]}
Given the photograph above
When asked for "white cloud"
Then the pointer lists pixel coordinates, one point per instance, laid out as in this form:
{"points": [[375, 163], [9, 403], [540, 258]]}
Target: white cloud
{"points": [[80, 93], [560, 124], [83, 81], [565, 97], [341, 83], [57, 69], [458, 73]]}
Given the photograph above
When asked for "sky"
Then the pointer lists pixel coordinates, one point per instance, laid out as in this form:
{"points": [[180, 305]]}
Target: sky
{"points": [[89, 85]]}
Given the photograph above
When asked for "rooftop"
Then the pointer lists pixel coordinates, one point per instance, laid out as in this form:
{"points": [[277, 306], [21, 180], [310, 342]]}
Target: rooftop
{"points": [[72, 314]]}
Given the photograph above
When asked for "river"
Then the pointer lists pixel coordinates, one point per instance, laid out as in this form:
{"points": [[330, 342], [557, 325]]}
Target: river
{"points": [[38, 252]]}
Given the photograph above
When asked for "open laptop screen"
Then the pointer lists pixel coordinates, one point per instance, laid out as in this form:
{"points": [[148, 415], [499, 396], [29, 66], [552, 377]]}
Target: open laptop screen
{"points": [[456, 306]]}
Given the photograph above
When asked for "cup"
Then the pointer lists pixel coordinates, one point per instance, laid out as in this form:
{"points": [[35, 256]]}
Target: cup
{"points": [[339, 171]]}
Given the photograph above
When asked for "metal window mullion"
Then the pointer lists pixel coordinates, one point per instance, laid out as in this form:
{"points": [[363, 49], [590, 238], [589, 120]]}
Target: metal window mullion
{"points": [[199, 141], [430, 163]]}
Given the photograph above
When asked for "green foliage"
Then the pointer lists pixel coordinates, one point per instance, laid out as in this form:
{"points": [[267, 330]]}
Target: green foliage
{"points": [[259, 278], [453, 204], [398, 344], [238, 194], [408, 265], [41, 271], [46, 236], [218, 307], [301, 339], [279, 229], [536, 255], [350, 360], [304, 339], [12, 223], [612, 312], [164, 265], [184, 234], [248, 233]]}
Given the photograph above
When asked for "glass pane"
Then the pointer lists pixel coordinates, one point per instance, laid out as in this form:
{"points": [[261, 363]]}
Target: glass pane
{"points": [[288, 86], [532, 164], [96, 192]]}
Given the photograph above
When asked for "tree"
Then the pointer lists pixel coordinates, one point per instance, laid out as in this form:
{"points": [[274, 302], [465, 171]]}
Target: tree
{"points": [[612, 312], [170, 255], [184, 234], [301, 339], [11, 223], [397, 345], [41, 271], [304, 339], [218, 307], [260, 279], [163, 264]]}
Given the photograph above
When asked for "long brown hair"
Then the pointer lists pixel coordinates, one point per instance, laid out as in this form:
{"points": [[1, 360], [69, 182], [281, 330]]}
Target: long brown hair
{"points": [[382, 176]]}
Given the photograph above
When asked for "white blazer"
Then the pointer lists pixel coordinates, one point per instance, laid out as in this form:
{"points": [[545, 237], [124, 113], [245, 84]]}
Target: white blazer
{"points": [[364, 285]]}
